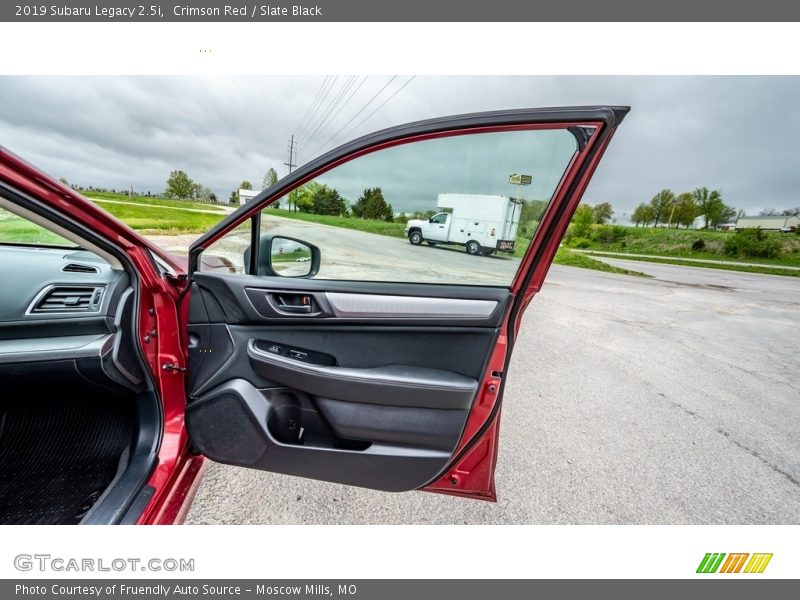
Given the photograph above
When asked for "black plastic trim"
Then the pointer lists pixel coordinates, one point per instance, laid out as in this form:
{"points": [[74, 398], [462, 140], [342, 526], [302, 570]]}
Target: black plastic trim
{"points": [[391, 385]]}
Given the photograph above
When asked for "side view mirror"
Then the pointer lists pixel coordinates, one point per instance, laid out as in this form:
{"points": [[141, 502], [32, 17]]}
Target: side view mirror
{"points": [[286, 257], [430, 220]]}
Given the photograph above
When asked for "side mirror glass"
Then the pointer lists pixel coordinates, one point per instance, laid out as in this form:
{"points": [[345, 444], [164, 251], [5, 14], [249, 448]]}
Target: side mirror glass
{"points": [[292, 258], [285, 256]]}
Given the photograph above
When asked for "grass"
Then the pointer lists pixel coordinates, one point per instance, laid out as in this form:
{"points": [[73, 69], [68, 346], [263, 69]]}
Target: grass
{"points": [[765, 270], [290, 256], [677, 243], [377, 227], [566, 257], [162, 220], [15, 229], [164, 202], [157, 218], [671, 246], [563, 256]]}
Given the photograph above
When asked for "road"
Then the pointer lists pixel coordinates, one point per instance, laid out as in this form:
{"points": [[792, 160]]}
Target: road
{"points": [[671, 400], [346, 252]]}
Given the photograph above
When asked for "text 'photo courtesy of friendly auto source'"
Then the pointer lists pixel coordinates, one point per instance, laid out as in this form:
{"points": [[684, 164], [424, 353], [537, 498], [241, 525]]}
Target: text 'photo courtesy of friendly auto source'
{"points": [[162, 590], [112, 13], [261, 342]]}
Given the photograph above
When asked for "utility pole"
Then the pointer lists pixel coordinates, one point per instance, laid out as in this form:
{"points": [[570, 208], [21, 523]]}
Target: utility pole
{"points": [[290, 164]]}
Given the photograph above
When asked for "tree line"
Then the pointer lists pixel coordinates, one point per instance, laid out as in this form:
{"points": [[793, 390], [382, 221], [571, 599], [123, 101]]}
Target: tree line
{"points": [[321, 199], [669, 208], [313, 197]]}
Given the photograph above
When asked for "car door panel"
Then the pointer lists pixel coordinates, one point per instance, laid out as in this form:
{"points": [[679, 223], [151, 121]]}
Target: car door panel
{"points": [[386, 381], [387, 385]]}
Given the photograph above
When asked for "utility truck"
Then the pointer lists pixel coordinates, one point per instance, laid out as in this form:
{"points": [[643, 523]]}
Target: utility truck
{"points": [[482, 224]]}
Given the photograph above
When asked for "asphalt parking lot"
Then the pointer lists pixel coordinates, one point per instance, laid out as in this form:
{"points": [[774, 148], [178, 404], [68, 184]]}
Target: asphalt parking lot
{"points": [[673, 400]]}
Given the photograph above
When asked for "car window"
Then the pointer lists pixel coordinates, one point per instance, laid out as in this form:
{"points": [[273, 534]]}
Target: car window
{"points": [[17, 230], [371, 217]]}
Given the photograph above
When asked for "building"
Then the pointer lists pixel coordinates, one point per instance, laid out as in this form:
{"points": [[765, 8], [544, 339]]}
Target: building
{"points": [[699, 222], [246, 195], [778, 223]]}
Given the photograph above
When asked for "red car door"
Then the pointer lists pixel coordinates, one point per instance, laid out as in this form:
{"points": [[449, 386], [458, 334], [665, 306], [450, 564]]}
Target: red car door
{"points": [[343, 353]]}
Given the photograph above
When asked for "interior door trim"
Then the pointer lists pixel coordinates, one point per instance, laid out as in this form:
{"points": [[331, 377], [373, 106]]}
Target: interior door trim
{"points": [[371, 305], [391, 385]]}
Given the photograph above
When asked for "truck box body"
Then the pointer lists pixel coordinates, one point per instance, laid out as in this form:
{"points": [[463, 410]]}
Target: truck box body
{"points": [[479, 216], [482, 223]]}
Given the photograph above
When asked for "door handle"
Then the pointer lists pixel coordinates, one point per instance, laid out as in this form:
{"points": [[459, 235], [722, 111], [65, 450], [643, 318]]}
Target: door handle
{"points": [[294, 303]]}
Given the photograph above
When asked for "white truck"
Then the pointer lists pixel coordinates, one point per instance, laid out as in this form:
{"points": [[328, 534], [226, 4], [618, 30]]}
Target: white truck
{"points": [[482, 224]]}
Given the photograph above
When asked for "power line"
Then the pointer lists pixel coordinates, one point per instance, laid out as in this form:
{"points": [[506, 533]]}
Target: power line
{"points": [[314, 105], [358, 112], [339, 110], [353, 93], [334, 103], [365, 119], [319, 105], [313, 102]]}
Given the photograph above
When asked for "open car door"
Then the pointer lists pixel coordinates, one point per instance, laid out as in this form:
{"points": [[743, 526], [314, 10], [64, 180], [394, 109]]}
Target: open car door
{"points": [[323, 344]]}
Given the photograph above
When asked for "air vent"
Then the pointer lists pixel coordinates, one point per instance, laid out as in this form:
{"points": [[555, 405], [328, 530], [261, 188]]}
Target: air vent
{"points": [[78, 268], [61, 299]]}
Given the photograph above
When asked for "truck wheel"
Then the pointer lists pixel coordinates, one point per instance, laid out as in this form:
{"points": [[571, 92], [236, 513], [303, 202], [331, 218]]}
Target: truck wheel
{"points": [[473, 248], [415, 237]]}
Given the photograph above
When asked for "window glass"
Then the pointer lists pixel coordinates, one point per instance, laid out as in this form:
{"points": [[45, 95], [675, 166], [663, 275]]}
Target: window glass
{"points": [[384, 216], [17, 230], [227, 254]]}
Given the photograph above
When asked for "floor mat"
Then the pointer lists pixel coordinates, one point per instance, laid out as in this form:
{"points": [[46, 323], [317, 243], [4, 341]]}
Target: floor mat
{"points": [[57, 458]]}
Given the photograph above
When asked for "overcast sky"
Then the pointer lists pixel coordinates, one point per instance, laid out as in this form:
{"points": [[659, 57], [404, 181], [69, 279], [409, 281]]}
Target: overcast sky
{"points": [[736, 134]]}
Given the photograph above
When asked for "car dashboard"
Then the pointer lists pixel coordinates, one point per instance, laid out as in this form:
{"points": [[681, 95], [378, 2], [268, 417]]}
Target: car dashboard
{"points": [[62, 304]]}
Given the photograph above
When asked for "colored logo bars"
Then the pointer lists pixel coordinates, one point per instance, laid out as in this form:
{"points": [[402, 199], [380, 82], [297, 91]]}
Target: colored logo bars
{"points": [[713, 563]]}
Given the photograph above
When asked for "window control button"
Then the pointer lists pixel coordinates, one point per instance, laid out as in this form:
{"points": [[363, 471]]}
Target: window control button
{"points": [[274, 348], [298, 355]]}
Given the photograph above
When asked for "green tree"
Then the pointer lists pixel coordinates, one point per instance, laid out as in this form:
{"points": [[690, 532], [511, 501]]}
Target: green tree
{"points": [[234, 199], [245, 185], [582, 221], [301, 198], [661, 205], [179, 185], [603, 212], [643, 215], [726, 215], [201, 193], [532, 210], [709, 204], [327, 201], [685, 210], [419, 215], [270, 178], [372, 205]]}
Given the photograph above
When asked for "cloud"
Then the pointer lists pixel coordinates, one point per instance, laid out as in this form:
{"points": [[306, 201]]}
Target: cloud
{"points": [[736, 134]]}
